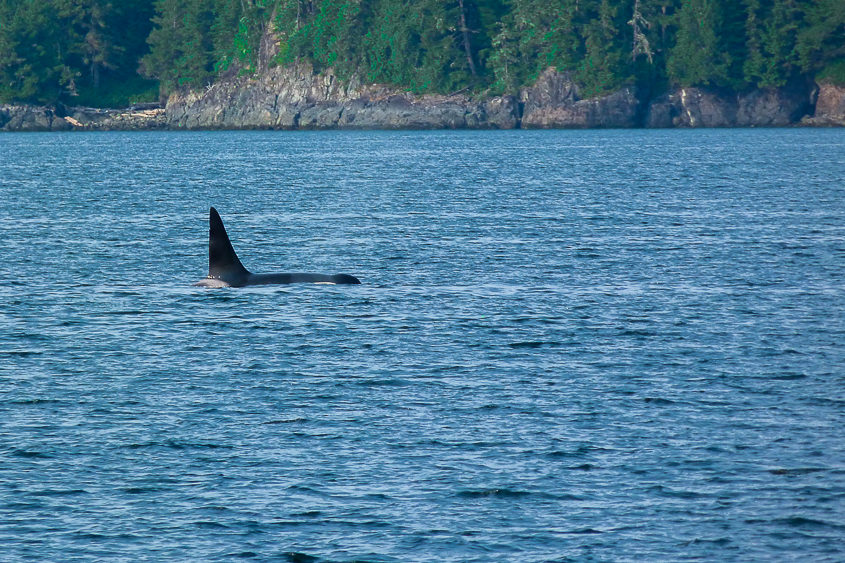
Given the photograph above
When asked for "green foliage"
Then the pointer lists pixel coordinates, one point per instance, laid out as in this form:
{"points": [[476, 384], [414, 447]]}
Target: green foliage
{"points": [[331, 38], [195, 40], [415, 46], [32, 63], [602, 67], [180, 44], [772, 30], [587, 38], [696, 58], [50, 50], [820, 41], [92, 51], [118, 93], [834, 73]]}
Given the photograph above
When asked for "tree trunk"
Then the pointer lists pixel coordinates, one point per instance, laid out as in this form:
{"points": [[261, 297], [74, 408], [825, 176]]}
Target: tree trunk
{"points": [[465, 34]]}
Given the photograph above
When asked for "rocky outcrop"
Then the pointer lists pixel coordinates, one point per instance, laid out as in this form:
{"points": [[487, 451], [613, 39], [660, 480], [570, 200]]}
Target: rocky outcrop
{"points": [[31, 118], [697, 107], [140, 117], [39, 118], [554, 102], [830, 107], [298, 98]]}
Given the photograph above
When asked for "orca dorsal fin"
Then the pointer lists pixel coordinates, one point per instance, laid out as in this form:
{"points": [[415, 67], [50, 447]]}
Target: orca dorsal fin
{"points": [[223, 263]]}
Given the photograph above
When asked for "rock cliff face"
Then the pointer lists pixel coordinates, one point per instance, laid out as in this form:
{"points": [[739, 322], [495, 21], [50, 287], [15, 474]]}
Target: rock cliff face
{"points": [[830, 107], [30, 118], [298, 98], [36, 118], [554, 102], [696, 107]]}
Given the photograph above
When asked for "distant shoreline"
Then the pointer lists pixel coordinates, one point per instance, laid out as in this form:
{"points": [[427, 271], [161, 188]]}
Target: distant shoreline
{"points": [[298, 99]]}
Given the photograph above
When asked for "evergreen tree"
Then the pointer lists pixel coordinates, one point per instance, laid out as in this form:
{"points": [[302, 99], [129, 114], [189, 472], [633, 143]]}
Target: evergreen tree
{"points": [[533, 36], [181, 48], [603, 65], [80, 50], [484, 17], [820, 41], [696, 58], [771, 31], [37, 44]]}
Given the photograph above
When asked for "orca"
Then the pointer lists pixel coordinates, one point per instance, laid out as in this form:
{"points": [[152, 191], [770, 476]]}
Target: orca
{"points": [[225, 268]]}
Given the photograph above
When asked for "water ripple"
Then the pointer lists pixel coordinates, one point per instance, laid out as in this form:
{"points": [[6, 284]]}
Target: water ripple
{"points": [[593, 345]]}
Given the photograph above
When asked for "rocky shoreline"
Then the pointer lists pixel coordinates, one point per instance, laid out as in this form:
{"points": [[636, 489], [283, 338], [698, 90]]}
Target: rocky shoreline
{"points": [[298, 98], [41, 118]]}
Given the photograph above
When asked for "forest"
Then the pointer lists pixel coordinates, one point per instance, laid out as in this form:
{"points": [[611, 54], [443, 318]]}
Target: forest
{"points": [[109, 53]]}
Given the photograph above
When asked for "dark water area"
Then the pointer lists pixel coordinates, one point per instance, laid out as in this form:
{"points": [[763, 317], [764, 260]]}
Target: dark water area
{"points": [[567, 346]]}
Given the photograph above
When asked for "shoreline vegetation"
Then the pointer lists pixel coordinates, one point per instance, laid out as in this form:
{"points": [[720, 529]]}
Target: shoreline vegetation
{"points": [[400, 64]]}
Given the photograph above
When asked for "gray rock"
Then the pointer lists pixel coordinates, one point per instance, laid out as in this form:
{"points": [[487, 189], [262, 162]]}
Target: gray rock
{"points": [[296, 97], [502, 112], [691, 107], [28, 118], [322, 115], [773, 107], [698, 107], [830, 107], [37, 118], [554, 101]]}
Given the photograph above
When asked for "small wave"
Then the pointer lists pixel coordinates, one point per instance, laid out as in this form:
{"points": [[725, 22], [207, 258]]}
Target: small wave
{"points": [[585, 531], [796, 470], [826, 401], [789, 377], [449, 368], [675, 493], [534, 344], [142, 490], [21, 353], [210, 524], [131, 312], [297, 420], [176, 445], [581, 451], [499, 493], [812, 523], [36, 401], [392, 382], [308, 514], [637, 332], [58, 492], [715, 541], [584, 467], [30, 454], [298, 557], [659, 401]]}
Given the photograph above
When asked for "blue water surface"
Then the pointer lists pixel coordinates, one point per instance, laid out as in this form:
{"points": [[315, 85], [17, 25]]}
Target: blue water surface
{"points": [[567, 346]]}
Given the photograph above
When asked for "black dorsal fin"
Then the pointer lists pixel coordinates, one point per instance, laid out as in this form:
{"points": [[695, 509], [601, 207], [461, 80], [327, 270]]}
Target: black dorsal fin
{"points": [[223, 263]]}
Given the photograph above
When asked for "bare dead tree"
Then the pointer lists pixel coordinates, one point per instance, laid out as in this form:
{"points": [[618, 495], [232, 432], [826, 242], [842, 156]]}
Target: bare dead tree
{"points": [[640, 46]]}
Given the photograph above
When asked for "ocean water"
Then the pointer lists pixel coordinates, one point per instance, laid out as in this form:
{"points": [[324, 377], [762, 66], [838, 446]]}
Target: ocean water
{"points": [[567, 346]]}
